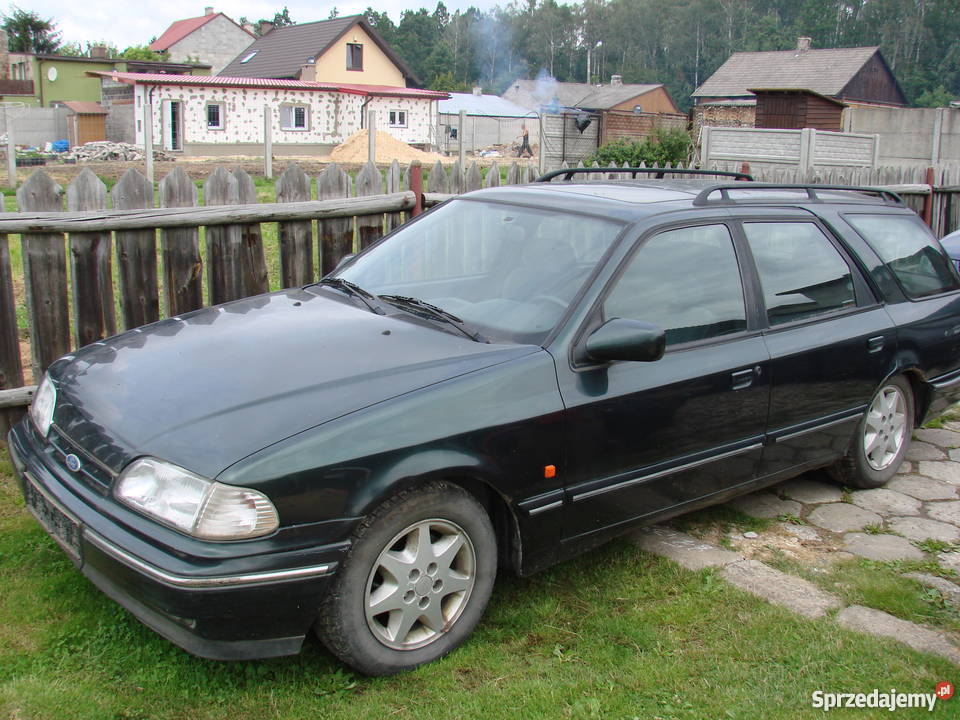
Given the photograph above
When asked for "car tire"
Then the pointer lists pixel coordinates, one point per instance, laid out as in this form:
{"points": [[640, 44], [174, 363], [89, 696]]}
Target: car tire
{"points": [[426, 559], [882, 438]]}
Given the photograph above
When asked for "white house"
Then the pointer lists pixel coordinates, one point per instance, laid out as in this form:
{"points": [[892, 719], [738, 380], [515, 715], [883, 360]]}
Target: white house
{"points": [[199, 115]]}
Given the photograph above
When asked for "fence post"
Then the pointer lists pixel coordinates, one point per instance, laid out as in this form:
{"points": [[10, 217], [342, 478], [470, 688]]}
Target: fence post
{"points": [[927, 212], [296, 236], [372, 136], [136, 254], [11, 366], [268, 142], [336, 234], [90, 265], [253, 263], [806, 157], [180, 247], [224, 256], [461, 150], [394, 220], [369, 182], [416, 186], [937, 135], [11, 148], [148, 136]]}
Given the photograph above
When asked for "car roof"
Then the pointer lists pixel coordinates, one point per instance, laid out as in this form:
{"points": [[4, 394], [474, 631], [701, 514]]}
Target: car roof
{"points": [[633, 200]]}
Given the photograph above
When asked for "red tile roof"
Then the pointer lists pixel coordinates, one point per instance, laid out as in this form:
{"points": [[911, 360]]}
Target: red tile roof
{"points": [[220, 81], [180, 29], [85, 107]]}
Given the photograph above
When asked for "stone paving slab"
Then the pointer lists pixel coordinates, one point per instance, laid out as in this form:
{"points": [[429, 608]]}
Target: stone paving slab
{"points": [[801, 532], [810, 492], [779, 588], [683, 549], [874, 622], [881, 547], [842, 517], [949, 591], [940, 437], [948, 512], [950, 560], [885, 502], [920, 450], [916, 528], [947, 471], [923, 488], [765, 505], [955, 454]]}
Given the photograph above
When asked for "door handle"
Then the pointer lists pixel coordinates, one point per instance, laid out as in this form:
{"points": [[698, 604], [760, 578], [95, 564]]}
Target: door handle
{"points": [[875, 344], [742, 379]]}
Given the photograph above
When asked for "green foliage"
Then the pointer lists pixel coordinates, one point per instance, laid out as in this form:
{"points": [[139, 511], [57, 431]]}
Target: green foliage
{"points": [[935, 97], [28, 32], [445, 82], [661, 147], [143, 52]]}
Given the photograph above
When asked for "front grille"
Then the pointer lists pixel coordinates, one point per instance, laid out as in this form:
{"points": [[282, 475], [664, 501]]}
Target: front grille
{"points": [[91, 472]]}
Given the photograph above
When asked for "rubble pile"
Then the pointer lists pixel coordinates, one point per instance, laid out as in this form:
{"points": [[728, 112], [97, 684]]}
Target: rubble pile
{"points": [[105, 151]]}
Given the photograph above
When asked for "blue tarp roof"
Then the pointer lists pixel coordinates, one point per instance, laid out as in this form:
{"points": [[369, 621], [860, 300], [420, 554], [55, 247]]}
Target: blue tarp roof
{"points": [[489, 105]]}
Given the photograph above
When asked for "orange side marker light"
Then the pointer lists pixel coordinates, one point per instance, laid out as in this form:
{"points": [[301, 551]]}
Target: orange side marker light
{"points": [[549, 471]]}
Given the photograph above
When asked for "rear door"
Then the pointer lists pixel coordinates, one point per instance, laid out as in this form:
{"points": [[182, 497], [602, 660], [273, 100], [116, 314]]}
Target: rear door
{"points": [[648, 438], [830, 341]]}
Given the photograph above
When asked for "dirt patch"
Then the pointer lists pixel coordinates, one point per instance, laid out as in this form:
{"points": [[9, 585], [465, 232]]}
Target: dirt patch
{"points": [[355, 150]]}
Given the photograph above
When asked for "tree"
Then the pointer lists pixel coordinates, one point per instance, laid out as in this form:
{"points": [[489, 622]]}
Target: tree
{"points": [[143, 52], [28, 32]]}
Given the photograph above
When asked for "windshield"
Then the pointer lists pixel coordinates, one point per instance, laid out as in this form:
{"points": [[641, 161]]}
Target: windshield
{"points": [[509, 272]]}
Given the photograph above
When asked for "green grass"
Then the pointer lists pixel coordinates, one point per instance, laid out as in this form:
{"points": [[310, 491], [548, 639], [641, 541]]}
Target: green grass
{"points": [[722, 518], [616, 634]]}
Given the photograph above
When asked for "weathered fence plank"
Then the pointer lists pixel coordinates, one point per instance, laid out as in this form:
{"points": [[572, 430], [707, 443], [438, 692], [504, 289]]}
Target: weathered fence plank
{"points": [[253, 261], [473, 180], [493, 176], [90, 265], [437, 180], [136, 254], [394, 184], [182, 267], [224, 269], [369, 227], [11, 364], [45, 276], [296, 237], [336, 235]]}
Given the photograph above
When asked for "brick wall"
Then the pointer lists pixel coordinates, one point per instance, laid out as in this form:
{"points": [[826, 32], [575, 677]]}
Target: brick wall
{"points": [[637, 126]]}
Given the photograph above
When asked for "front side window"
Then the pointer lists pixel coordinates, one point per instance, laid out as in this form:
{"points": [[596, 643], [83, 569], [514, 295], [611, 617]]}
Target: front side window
{"points": [[215, 116], [293, 117], [801, 272], [398, 118], [509, 271], [354, 56], [909, 250], [685, 281]]}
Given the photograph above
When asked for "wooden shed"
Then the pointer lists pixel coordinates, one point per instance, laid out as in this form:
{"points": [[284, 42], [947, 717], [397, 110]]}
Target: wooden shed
{"points": [[796, 109], [86, 122]]}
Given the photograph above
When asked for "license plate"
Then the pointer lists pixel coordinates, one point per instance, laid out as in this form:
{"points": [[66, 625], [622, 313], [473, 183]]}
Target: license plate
{"points": [[61, 526]]}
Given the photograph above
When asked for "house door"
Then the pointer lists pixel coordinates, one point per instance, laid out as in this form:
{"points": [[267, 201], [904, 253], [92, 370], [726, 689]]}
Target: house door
{"points": [[173, 125]]}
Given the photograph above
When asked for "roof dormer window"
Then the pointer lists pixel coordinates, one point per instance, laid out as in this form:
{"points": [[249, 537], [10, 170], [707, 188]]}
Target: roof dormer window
{"points": [[249, 57]]}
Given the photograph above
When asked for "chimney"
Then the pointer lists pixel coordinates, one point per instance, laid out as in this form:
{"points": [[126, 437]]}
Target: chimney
{"points": [[803, 44], [477, 90], [616, 81], [265, 27], [250, 28], [98, 51], [208, 10], [308, 72]]}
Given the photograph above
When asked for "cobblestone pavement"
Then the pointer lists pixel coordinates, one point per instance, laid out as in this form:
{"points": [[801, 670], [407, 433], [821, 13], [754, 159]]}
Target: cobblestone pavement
{"points": [[915, 517]]}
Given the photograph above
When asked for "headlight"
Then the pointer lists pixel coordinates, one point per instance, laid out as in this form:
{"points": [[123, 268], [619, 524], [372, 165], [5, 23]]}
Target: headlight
{"points": [[194, 505], [43, 405]]}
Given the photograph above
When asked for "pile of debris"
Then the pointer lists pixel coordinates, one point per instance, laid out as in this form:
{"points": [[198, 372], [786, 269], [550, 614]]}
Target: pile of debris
{"points": [[105, 151]]}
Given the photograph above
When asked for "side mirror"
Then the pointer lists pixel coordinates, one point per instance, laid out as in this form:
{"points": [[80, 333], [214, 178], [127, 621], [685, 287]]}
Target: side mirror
{"points": [[345, 260], [621, 339]]}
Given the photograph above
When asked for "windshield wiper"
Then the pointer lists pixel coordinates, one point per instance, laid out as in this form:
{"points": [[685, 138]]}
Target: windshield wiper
{"points": [[353, 290], [435, 312]]}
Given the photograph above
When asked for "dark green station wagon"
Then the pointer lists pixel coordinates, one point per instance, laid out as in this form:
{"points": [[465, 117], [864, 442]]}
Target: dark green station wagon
{"points": [[508, 380]]}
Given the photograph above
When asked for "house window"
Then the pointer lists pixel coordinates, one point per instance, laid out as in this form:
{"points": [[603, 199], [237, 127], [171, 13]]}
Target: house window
{"points": [[215, 116], [249, 57], [293, 117], [398, 118], [354, 56]]}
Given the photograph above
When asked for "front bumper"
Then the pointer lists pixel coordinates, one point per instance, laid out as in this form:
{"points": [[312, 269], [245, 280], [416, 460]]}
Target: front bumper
{"points": [[225, 601]]}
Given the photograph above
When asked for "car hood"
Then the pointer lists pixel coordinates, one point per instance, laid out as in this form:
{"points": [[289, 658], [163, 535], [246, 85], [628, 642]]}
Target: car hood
{"points": [[206, 389]]}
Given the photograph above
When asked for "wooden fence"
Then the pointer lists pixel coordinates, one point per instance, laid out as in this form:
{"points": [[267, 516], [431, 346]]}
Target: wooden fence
{"points": [[119, 276]]}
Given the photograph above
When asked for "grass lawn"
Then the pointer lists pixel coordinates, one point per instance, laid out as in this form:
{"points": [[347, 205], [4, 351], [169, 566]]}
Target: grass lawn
{"points": [[615, 634]]}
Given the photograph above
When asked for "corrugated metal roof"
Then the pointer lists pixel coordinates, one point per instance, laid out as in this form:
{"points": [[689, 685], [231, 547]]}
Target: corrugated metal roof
{"points": [[535, 94], [85, 107], [823, 71], [486, 105], [283, 51], [280, 83]]}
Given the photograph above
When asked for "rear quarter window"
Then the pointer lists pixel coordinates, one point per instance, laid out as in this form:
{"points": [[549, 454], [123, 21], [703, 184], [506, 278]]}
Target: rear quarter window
{"points": [[910, 252]]}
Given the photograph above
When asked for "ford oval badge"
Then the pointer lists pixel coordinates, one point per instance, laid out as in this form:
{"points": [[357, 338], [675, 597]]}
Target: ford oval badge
{"points": [[73, 462]]}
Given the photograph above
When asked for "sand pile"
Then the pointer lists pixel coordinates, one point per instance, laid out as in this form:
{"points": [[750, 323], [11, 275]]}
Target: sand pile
{"points": [[354, 150]]}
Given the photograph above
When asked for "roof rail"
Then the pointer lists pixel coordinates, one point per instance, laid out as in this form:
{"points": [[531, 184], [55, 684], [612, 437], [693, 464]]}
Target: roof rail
{"points": [[568, 173], [887, 196]]}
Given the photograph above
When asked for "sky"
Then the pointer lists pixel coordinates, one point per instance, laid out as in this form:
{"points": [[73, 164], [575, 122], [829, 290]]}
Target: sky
{"points": [[135, 23]]}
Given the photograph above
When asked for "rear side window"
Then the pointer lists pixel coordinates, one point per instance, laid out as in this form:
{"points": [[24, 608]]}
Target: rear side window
{"points": [[909, 250], [685, 281], [801, 272]]}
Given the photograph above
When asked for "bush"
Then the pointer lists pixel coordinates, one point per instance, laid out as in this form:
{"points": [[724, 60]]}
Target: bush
{"points": [[661, 147]]}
